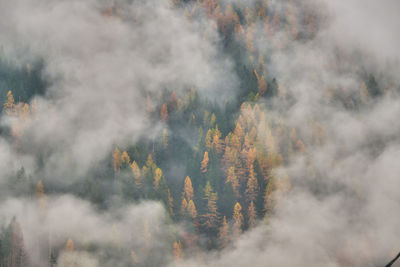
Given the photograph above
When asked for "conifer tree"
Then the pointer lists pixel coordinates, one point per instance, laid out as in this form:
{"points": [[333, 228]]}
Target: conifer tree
{"points": [[117, 160], [192, 209], [188, 189], [40, 194], [223, 236], [170, 203], [136, 174], [252, 215], [204, 163], [178, 251], [164, 113], [237, 220], [157, 177], [9, 105], [252, 186], [125, 159]]}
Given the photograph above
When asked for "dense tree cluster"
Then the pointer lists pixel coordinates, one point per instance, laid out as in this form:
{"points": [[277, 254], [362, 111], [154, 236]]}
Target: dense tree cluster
{"points": [[228, 155]]}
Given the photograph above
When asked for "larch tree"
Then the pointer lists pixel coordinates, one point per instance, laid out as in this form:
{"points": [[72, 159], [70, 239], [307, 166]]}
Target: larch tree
{"points": [[192, 209], [164, 113], [204, 163], [188, 189], [252, 215], [70, 246], [170, 203], [9, 105], [40, 194], [232, 178], [223, 236], [157, 177], [178, 251], [136, 174], [184, 206], [125, 159], [237, 219], [117, 159], [252, 186]]}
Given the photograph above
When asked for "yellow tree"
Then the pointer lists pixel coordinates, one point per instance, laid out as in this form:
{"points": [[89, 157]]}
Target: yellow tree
{"points": [[252, 215], [223, 236], [69, 246], [170, 203], [232, 178], [184, 206], [177, 250], [136, 174], [117, 160], [9, 105], [40, 194], [252, 186], [204, 163], [188, 188], [192, 209], [157, 177], [238, 219], [211, 215], [269, 190], [125, 159], [164, 113]]}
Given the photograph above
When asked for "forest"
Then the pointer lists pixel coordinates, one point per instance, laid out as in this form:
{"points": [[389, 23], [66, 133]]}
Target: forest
{"points": [[199, 132]]}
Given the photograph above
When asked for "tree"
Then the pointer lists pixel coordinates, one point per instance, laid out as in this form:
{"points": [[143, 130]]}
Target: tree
{"points": [[117, 160], [165, 138], [238, 219], [252, 186], [184, 206], [188, 189], [204, 163], [232, 178], [9, 105], [40, 194], [252, 215], [192, 209], [136, 174], [164, 113], [170, 203], [178, 250], [157, 177], [125, 159], [223, 236], [70, 246]]}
